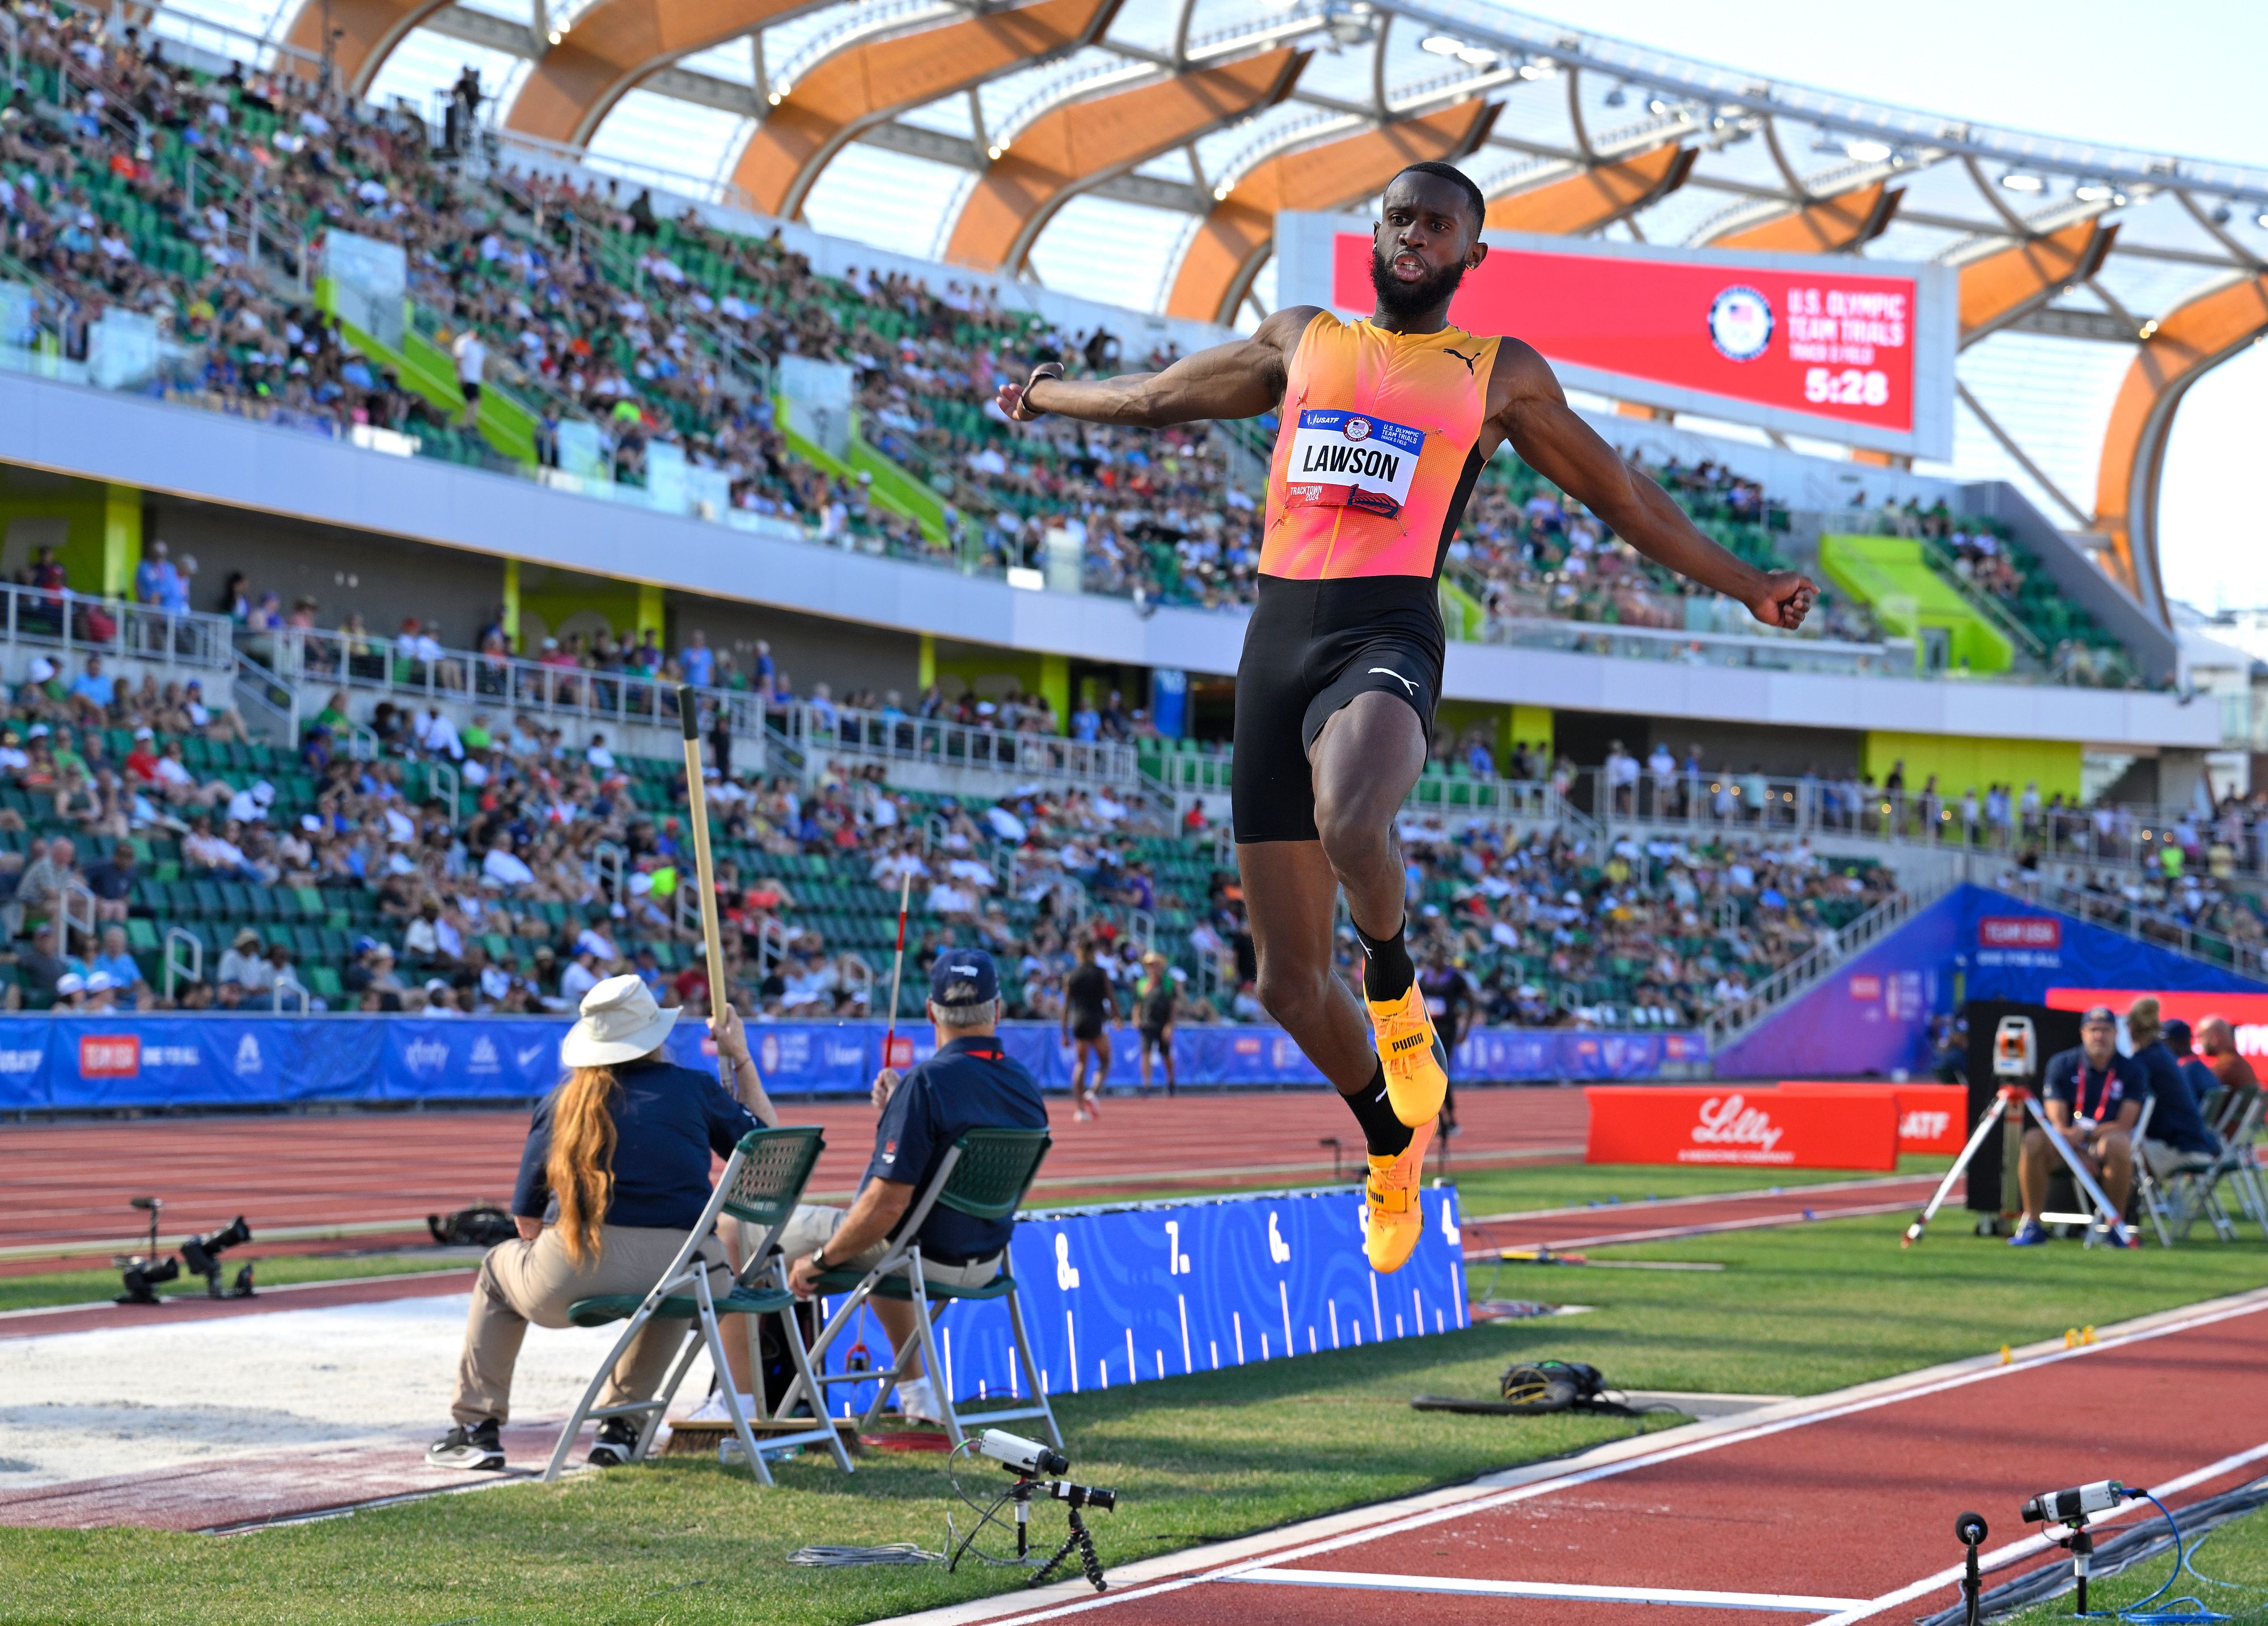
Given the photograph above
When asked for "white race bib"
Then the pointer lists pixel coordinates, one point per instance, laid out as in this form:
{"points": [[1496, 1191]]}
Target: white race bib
{"points": [[1347, 459]]}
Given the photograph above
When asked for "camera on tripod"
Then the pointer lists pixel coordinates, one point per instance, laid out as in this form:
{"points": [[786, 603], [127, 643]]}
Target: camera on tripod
{"points": [[142, 1276], [1037, 1468]]}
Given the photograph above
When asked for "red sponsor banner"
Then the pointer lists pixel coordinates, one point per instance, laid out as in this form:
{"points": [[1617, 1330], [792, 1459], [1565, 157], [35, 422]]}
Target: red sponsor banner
{"points": [[2246, 1013], [1834, 343], [2020, 931], [109, 1055], [1741, 1126], [1865, 988], [1932, 1118]]}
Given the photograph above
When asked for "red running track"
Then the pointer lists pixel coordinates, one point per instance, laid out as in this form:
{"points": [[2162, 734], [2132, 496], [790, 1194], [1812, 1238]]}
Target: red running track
{"points": [[1840, 1514], [68, 1183]]}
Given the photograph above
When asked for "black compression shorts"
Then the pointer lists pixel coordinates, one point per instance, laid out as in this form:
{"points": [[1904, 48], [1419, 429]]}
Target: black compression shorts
{"points": [[1310, 648]]}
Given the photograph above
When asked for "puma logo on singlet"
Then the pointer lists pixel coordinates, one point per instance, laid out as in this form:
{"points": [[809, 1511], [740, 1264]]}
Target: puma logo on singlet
{"points": [[1397, 676], [1461, 355]]}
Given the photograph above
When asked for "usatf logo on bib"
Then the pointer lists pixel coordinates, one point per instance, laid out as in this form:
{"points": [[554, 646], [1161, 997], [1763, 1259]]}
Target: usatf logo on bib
{"points": [[1345, 460]]}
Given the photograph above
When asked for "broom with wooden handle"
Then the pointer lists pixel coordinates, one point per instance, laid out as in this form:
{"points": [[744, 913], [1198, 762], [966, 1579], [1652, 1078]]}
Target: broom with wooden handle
{"points": [[696, 801], [696, 798]]}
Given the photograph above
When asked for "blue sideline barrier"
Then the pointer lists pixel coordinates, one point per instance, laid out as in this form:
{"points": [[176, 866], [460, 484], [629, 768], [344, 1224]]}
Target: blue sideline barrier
{"points": [[1135, 1294], [77, 1063]]}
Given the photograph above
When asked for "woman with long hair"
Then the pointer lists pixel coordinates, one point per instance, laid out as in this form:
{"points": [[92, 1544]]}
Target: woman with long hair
{"points": [[614, 1173]]}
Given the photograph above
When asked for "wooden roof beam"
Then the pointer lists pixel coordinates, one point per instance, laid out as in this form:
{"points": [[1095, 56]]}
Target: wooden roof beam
{"points": [[1072, 146], [1236, 238]]}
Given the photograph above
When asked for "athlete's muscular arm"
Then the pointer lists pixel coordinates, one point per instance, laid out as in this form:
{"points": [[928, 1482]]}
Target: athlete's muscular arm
{"points": [[1241, 379], [1555, 442]]}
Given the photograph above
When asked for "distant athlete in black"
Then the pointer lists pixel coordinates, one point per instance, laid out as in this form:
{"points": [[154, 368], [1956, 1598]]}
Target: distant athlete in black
{"points": [[1155, 999], [1090, 1010], [1449, 1001]]}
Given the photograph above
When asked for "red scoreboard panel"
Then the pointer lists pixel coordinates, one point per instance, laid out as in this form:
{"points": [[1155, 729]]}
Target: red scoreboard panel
{"points": [[1845, 350]]}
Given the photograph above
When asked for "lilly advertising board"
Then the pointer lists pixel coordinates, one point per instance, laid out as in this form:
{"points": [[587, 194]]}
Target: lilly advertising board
{"points": [[1857, 352], [1731, 1126]]}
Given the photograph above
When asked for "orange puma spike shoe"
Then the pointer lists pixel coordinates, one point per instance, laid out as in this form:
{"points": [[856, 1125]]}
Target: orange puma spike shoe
{"points": [[1390, 1196], [1417, 1061]]}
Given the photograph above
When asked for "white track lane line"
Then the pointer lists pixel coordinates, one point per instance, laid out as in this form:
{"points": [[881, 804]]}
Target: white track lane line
{"points": [[1608, 1470], [1671, 1233], [1785, 1602]]}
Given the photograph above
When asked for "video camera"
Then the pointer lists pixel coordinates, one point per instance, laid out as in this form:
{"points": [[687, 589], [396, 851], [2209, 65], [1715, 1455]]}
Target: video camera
{"points": [[1036, 1467], [142, 1276]]}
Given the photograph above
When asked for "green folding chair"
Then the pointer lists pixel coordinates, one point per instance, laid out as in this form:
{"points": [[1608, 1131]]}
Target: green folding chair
{"points": [[762, 1181], [985, 1175]]}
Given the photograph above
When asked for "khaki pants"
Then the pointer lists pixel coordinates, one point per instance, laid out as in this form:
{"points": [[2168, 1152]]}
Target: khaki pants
{"points": [[811, 1225], [523, 1282]]}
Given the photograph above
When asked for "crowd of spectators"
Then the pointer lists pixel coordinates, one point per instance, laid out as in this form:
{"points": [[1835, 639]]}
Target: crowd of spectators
{"points": [[145, 194]]}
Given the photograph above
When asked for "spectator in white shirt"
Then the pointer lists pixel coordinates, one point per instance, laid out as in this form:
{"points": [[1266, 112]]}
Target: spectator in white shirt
{"points": [[251, 806], [471, 361], [437, 734], [246, 965], [505, 867], [598, 756], [580, 977]]}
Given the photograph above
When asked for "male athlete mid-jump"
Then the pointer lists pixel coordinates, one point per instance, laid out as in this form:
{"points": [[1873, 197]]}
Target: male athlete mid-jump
{"points": [[1387, 424]]}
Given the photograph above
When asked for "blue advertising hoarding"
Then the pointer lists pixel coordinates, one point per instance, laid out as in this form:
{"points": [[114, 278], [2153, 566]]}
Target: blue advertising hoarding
{"points": [[93, 1064]]}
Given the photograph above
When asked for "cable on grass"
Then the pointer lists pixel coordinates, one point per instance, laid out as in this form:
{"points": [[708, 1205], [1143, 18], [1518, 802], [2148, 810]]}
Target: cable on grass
{"points": [[2116, 1554]]}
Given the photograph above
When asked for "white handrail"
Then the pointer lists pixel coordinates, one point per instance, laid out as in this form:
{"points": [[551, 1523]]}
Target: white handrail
{"points": [[193, 964]]}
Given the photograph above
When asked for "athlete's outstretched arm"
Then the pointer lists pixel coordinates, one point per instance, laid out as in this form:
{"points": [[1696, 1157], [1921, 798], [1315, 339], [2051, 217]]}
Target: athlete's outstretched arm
{"points": [[1241, 379], [1555, 442]]}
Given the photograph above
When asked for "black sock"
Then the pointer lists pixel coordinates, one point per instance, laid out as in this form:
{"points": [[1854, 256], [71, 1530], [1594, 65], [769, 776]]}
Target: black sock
{"points": [[1386, 972], [1386, 1135]]}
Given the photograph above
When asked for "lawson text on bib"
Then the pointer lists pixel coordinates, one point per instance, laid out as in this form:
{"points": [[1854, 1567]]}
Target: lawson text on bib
{"points": [[1348, 459]]}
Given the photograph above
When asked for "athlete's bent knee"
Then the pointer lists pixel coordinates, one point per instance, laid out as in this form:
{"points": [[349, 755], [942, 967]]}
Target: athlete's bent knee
{"points": [[1295, 998], [1354, 834]]}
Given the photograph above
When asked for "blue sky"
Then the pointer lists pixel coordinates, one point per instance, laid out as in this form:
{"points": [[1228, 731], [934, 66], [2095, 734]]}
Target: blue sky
{"points": [[2180, 76]]}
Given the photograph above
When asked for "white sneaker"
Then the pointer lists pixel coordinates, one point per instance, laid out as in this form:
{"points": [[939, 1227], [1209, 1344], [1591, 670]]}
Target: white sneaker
{"points": [[918, 1401], [713, 1409]]}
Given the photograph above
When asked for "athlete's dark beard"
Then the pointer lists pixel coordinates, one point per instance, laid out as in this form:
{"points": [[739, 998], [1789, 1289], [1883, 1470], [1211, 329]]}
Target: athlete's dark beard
{"points": [[1397, 297]]}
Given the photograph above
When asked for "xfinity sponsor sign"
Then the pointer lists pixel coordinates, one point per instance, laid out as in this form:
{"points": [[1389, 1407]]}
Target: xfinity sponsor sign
{"points": [[1859, 351]]}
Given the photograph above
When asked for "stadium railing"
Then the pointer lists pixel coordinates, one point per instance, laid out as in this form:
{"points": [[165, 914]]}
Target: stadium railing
{"points": [[75, 625], [2132, 838], [843, 733]]}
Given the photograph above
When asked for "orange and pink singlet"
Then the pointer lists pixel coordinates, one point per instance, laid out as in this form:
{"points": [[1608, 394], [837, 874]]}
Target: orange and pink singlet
{"points": [[1374, 466]]}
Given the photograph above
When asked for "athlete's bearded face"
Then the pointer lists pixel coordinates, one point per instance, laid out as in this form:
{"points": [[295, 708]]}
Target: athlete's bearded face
{"points": [[1419, 252], [1406, 285]]}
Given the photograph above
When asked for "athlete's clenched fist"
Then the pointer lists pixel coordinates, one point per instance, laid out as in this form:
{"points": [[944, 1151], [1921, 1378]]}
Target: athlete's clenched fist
{"points": [[1786, 599]]}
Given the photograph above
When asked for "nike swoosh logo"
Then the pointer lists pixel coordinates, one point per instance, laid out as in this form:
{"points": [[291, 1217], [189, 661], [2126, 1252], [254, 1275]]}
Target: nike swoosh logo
{"points": [[1397, 676]]}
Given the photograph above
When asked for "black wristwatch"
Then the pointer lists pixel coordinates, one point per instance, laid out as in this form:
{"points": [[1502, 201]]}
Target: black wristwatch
{"points": [[818, 1264]]}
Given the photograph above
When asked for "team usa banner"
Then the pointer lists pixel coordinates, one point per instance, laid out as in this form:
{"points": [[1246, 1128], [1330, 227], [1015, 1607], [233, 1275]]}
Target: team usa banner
{"points": [[1852, 350], [82, 1064]]}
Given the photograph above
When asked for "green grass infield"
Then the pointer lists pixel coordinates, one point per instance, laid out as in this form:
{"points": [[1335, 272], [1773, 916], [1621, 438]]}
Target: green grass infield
{"points": [[1194, 1459]]}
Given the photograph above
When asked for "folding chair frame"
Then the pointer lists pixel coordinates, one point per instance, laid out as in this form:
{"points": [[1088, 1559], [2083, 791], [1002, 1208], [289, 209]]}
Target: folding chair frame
{"points": [[2196, 1192], [689, 1273], [903, 1258]]}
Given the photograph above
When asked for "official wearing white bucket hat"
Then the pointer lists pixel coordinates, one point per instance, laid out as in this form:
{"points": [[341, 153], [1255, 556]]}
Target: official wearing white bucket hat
{"points": [[622, 1148], [619, 1023]]}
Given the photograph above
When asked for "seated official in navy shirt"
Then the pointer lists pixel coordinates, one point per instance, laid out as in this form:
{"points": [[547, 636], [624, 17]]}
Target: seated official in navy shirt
{"points": [[2176, 1138], [623, 1149], [2092, 1096], [970, 1083]]}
